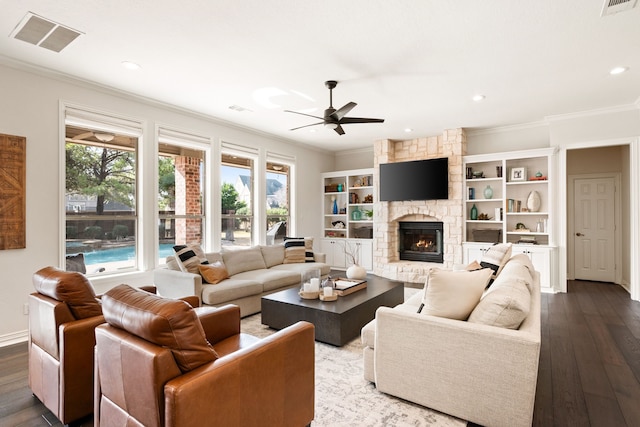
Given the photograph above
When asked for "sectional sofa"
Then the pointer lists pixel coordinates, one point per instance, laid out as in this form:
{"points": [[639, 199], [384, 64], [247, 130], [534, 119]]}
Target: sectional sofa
{"points": [[251, 273]]}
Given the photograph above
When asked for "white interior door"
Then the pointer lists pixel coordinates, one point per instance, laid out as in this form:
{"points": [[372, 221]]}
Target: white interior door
{"points": [[594, 229]]}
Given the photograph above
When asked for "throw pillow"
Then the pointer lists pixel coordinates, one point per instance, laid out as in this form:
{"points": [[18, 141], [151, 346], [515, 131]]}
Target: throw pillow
{"points": [[213, 273], [76, 263], [475, 265], [165, 322], [506, 304], [189, 257], [308, 247], [453, 294], [496, 257]]}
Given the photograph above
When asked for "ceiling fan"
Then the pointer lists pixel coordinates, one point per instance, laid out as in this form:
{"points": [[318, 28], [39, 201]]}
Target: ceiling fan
{"points": [[100, 136], [333, 118]]}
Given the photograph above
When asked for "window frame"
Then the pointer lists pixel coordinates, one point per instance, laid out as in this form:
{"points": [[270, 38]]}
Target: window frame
{"points": [[189, 141], [97, 121]]}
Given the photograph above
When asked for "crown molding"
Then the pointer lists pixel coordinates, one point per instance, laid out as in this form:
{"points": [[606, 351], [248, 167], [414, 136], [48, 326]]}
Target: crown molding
{"points": [[594, 112], [505, 129]]}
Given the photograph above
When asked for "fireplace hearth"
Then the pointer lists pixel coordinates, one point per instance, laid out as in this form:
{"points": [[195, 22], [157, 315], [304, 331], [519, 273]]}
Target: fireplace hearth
{"points": [[421, 241]]}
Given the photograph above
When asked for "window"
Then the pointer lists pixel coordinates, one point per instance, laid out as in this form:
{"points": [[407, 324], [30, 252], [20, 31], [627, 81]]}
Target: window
{"points": [[181, 193], [277, 191], [100, 196], [237, 195]]}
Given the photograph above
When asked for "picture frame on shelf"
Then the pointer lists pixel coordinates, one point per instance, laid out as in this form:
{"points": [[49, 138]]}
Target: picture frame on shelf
{"points": [[518, 174]]}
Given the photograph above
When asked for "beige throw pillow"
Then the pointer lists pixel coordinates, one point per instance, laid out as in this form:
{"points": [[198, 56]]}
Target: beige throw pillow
{"points": [[506, 304], [454, 294]]}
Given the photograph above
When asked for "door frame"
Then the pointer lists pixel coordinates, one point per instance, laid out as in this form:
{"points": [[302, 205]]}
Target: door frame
{"points": [[617, 221], [634, 207]]}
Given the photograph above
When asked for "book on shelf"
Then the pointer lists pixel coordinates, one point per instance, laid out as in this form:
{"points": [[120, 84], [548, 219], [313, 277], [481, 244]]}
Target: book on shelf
{"points": [[346, 286], [527, 240]]}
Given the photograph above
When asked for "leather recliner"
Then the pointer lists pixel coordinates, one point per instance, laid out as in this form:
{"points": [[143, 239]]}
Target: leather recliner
{"points": [[63, 314], [160, 362]]}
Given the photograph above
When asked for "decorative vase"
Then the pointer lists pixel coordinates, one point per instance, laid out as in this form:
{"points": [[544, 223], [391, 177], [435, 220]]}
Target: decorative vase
{"points": [[488, 192], [533, 201], [474, 212], [356, 215], [335, 207], [356, 272]]}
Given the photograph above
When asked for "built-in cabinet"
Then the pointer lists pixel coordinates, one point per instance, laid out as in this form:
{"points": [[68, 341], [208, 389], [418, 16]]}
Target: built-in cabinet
{"points": [[347, 221], [509, 198]]}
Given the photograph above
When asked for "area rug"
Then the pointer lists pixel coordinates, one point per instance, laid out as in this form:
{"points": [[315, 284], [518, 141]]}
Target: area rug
{"points": [[345, 398]]}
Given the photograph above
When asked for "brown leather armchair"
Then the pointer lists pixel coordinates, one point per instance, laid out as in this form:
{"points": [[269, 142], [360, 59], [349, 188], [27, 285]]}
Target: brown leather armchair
{"points": [[63, 314], [160, 362]]}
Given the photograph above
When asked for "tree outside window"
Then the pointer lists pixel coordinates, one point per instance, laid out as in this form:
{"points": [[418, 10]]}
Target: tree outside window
{"points": [[100, 200]]}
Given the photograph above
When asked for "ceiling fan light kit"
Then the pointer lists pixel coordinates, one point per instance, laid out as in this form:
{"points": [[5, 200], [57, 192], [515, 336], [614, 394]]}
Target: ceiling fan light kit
{"points": [[334, 119]]}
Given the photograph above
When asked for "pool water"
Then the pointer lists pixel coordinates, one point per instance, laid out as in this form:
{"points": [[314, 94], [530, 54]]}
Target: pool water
{"points": [[124, 253]]}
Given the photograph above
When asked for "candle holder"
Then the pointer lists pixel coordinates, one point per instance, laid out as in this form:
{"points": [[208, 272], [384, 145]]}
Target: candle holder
{"points": [[310, 284]]}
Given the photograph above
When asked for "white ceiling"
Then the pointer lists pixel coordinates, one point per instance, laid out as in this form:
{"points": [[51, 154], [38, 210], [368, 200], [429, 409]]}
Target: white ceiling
{"points": [[415, 63]]}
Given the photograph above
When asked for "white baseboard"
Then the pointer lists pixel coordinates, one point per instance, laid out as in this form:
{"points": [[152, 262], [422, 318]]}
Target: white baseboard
{"points": [[14, 338]]}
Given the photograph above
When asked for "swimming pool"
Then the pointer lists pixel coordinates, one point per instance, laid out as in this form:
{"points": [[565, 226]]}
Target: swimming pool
{"points": [[123, 253]]}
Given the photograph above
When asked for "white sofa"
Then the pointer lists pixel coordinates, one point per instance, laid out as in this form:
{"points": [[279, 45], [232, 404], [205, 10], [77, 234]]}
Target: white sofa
{"points": [[253, 272], [473, 371]]}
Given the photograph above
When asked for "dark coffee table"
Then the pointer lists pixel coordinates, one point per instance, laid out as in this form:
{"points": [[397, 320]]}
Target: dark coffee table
{"points": [[336, 322]]}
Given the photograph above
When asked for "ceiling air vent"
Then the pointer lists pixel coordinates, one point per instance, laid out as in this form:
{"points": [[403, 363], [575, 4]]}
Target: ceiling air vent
{"points": [[45, 33], [614, 6]]}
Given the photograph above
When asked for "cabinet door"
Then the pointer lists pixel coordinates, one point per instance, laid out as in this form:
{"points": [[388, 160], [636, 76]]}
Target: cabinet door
{"points": [[474, 252], [541, 260], [365, 254], [334, 249]]}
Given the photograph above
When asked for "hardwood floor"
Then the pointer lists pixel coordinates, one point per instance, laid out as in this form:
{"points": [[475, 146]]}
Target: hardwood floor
{"points": [[589, 371]]}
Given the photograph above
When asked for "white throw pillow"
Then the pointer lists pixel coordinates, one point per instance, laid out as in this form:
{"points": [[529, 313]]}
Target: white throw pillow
{"points": [[189, 257], [496, 257], [454, 294]]}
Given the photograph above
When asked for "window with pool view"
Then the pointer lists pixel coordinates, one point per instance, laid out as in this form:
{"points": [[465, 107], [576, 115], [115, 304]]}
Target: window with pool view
{"points": [[100, 200]]}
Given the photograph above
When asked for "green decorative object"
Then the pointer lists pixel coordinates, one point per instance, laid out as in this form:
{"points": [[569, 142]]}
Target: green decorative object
{"points": [[474, 212], [356, 215], [488, 192]]}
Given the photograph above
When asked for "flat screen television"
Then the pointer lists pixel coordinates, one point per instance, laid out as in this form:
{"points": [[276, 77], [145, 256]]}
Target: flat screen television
{"points": [[415, 180]]}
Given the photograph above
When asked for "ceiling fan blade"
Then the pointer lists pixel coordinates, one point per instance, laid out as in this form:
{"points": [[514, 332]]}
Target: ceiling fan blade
{"points": [[306, 126], [339, 114], [303, 114], [347, 120], [83, 136], [339, 130]]}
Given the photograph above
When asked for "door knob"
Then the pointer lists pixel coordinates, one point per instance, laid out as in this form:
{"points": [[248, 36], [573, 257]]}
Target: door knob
{"points": [[579, 234]]}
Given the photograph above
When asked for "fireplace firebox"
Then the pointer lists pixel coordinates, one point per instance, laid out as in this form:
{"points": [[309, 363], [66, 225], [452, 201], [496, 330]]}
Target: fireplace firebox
{"points": [[421, 241]]}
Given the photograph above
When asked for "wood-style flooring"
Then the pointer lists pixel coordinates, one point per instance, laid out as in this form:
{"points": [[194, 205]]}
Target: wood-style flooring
{"points": [[589, 371]]}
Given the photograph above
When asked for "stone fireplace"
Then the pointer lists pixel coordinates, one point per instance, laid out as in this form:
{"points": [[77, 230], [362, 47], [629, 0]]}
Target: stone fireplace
{"points": [[388, 215]]}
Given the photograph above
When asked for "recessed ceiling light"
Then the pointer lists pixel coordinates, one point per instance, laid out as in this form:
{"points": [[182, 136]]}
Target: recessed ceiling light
{"points": [[478, 97], [408, 130], [618, 70], [130, 65]]}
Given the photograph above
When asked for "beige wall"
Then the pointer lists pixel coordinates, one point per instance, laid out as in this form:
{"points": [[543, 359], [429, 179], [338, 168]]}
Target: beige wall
{"points": [[30, 107]]}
